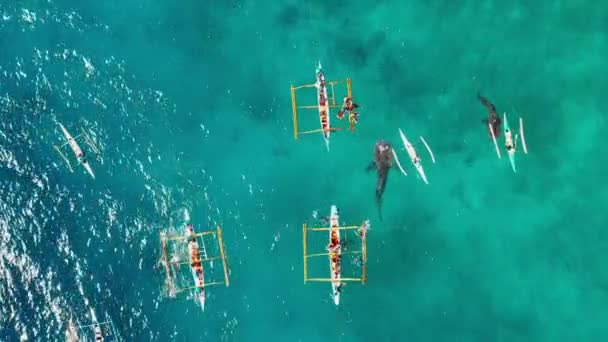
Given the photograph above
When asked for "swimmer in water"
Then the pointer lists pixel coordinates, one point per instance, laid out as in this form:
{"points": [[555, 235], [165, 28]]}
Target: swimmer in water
{"points": [[349, 106]]}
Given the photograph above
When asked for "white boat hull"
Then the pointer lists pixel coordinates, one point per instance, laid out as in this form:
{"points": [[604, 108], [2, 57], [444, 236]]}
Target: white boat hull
{"points": [[200, 292], [88, 168], [507, 132], [323, 106], [412, 153], [334, 220], [199, 281]]}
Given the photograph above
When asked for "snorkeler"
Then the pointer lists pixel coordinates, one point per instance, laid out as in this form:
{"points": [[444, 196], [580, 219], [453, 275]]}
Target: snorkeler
{"points": [[349, 106], [362, 231], [509, 144]]}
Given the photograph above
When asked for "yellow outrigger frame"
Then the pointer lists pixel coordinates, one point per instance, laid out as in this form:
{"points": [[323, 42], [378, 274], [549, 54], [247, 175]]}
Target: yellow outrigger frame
{"points": [[164, 238], [363, 253], [332, 104]]}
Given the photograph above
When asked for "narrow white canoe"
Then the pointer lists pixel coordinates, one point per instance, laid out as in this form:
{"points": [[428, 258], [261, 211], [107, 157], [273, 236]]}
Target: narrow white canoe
{"points": [[413, 156], [509, 135]]}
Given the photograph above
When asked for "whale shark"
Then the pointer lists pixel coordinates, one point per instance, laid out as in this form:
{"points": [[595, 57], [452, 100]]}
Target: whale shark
{"points": [[383, 162]]}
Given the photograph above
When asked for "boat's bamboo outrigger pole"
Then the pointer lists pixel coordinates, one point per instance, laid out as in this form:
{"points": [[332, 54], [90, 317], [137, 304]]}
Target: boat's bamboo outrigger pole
{"points": [[338, 228], [320, 130], [325, 254], [58, 149], [202, 260], [305, 259], [494, 140], [295, 112], [364, 250], [333, 280], [220, 241], [312, 85], [181, 237], [89, 141], [521, 135], [349, 89], [315, 107]]}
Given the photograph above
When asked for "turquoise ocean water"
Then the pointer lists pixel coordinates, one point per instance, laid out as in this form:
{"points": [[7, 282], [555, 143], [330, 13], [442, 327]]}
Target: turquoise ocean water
{"points": [[190, 104]]}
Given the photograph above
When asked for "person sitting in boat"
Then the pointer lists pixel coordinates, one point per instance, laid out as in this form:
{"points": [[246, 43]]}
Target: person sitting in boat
{"points": [[98, 334], [509, 141], [191, 236], [333, 247], [348, 106], [337, 268], [80, 157], [322, 100]]}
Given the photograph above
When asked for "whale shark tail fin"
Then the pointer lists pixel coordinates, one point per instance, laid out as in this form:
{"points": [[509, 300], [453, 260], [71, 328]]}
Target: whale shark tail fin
{"points": [[379, 205]]}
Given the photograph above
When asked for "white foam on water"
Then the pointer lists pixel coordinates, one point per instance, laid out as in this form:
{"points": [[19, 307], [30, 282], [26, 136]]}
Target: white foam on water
{"points": [[66, 214]]}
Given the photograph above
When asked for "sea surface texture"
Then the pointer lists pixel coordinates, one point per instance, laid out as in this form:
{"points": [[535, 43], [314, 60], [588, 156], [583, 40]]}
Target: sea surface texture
{"points": [[189, 103]]}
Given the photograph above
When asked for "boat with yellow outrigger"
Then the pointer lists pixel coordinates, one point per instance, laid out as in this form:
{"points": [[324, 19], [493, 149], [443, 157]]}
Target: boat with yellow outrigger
{"points": [[335, 253], [325, 102], [195, 255]]}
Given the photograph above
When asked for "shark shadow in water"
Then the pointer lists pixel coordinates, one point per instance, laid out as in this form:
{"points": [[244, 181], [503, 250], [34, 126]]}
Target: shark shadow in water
{"points": [[383, 162]]}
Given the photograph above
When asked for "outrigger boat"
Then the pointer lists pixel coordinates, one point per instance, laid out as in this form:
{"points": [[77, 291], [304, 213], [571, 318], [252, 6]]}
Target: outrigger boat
{"points": [[335, 253], [511, 143], [102, 331], [324, 103], [173, 262], [414, 155], [80, 155]]}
